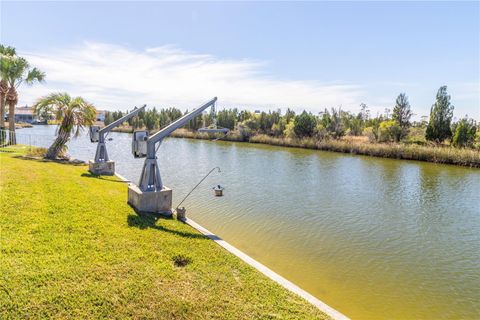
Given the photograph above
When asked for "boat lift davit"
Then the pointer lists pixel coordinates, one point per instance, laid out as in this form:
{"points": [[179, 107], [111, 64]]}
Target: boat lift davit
{"points": [[213, 128], [102, 165], [150, 195]]}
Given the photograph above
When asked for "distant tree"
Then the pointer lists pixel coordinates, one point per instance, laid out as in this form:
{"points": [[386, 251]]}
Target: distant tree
{"points": [[279, 128], [402, 114], [226, 118], [289, 115], [174, 113], [252, 123], [355, 123], [73, 113], [364, 112], [17, 70], [243, 115], [275, 116], [387, 113], [46, 116], [108, 118], [265, 122], [372, 127], [136, 122], [423, 122], [195, 123], [164, 119], [5, 63], [333, 123], [151, 119], [207, 118], [117, 115], [464, 133], [289, 131], [304, 124], [441, 114]]}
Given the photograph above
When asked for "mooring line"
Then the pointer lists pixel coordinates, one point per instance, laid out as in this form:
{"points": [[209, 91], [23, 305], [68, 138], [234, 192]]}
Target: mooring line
{"points": [[196, 187]]}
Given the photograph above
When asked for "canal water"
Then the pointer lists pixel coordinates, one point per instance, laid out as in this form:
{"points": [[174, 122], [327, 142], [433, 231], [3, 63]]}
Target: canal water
{"points": [[373, 238]]}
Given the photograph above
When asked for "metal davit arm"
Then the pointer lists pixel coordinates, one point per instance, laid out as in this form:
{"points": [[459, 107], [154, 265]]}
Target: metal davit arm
{"points": [[150, 179], [101, 154], [122, 119], [165, 132]]}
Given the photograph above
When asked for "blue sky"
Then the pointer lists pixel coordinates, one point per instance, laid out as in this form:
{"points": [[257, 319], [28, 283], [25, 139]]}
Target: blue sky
{"points": [[258, 55]]}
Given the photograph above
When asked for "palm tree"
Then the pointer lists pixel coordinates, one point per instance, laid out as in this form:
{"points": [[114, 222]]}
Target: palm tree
{"points": [[73, 113], [5, 52], [17, 71]]}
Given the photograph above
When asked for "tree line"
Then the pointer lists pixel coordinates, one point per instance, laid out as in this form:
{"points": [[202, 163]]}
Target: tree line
{"points": [[332, 123]]}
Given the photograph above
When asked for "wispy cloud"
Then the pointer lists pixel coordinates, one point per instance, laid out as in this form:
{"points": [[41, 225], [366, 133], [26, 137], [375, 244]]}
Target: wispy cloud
{"points": [[117, 77]]}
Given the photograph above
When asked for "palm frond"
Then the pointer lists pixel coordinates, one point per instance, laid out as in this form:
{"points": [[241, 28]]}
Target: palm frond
{"points": [[7, 50], [75, 113], [53, 102], [84, 113], [18, 66], [6, 63], [35, 75]]}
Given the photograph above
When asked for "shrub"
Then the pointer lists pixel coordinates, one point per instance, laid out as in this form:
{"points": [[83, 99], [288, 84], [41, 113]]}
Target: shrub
{"points": [[320, 131], [369, 133], [244, 132], [37, 152], [279, 128], [289, 132], [333, 123], [464, 133], [389, 131], [252, 123], [304, 124]]}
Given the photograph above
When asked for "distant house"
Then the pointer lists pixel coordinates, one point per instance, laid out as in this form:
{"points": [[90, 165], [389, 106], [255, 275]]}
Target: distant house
{"points": [[25, 114], [100, 115]]}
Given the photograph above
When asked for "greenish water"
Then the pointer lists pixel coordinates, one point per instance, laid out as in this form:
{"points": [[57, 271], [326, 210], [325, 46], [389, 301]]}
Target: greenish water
{"points": [[373, 238]]}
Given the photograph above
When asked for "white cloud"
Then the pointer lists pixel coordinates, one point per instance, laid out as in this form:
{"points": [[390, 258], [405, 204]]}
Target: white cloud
{"points": [[115, 77]]}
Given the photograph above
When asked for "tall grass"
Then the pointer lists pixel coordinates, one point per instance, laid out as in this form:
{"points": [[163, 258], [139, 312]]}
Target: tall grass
{"points": [[437, 154], [354, 145], [431, 153], [184, 133]]}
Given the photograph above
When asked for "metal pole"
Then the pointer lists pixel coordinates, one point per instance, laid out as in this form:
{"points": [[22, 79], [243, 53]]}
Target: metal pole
{"points": [[197, 186]]}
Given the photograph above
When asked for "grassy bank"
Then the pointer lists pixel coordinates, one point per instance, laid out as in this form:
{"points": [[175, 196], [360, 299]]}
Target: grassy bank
{"points": [[72, 248], [430, 153], [408, 151], [447, 155]]}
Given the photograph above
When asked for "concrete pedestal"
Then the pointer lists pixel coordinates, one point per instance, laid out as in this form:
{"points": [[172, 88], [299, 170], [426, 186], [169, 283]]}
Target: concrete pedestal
{"points": [[159, 202], [102, 168]]}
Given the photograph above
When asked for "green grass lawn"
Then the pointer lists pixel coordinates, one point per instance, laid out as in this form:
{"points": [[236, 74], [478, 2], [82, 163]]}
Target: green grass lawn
{"points": [[71, 247]]}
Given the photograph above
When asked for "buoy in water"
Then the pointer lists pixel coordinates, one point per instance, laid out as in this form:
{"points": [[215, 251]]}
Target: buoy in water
{"points": [[218, 190]]}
